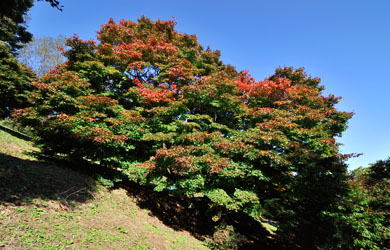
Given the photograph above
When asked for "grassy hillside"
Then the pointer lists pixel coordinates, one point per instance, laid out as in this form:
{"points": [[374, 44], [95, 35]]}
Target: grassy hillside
{"points": [[45, 206]]}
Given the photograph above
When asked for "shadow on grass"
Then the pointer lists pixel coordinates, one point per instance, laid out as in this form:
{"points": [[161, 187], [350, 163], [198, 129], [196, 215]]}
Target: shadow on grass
{"points": [[21, 181], [174, 211], [15, 133], [181, 213]]}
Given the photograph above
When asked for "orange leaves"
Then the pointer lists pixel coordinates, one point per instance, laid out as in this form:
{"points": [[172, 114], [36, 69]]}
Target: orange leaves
{"points": [[66, 81], [112, 32], [139, 49], [231, 147], [154, 95], [245, 82], [330, 141], [62, 117], [264, 125], [181, 160], [131, 116], [122, 40], [176, 72], [160, 46], [128, 52], [95, 100], [176, 160], [42, 86], [153, 51], [137, 65], [263, 111], [79, 49], [273, 89], [113, 122], [128, 31], [102, 135], [216, 165], [19, 113], [193, 138], [75, 41], [304, 93], [276, 88], [166, 25], [223, 147]]}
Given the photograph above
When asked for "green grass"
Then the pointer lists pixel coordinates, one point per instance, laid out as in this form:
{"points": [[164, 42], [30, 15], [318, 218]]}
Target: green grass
{"points": [[13, 146], [44, 206]]}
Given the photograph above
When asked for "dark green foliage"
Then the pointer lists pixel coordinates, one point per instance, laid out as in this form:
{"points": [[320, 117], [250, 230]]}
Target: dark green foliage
{"points": [[13, 28], [380, 170], [15, 81], [310, 204], [374, 205], [366, 209], [15, 78]]}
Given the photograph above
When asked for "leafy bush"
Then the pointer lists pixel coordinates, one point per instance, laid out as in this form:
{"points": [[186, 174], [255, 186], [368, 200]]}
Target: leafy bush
{"points": [[368, 207]]}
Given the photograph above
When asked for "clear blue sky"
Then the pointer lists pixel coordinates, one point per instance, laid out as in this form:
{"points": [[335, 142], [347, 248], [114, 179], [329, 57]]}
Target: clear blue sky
{"points": [[345, 43]]}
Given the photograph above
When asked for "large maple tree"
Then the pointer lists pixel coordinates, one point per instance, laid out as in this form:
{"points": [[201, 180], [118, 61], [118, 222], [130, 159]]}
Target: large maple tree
{"points": [[158, 105]]}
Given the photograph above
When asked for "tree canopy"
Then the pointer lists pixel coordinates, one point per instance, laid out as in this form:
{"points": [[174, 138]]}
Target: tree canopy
{"points": [[155, 103]]}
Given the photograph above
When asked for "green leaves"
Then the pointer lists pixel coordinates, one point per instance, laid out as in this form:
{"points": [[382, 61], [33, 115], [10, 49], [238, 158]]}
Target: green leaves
{"points": [[219, 197], [15, 81], [237, 201], [368, 206]]}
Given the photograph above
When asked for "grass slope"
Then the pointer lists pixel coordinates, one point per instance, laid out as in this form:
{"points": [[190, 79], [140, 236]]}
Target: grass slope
{"points": [[44, 206]]}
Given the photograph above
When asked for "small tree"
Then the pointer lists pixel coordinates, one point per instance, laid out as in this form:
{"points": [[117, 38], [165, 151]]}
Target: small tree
{"points": [[154, 102]]}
